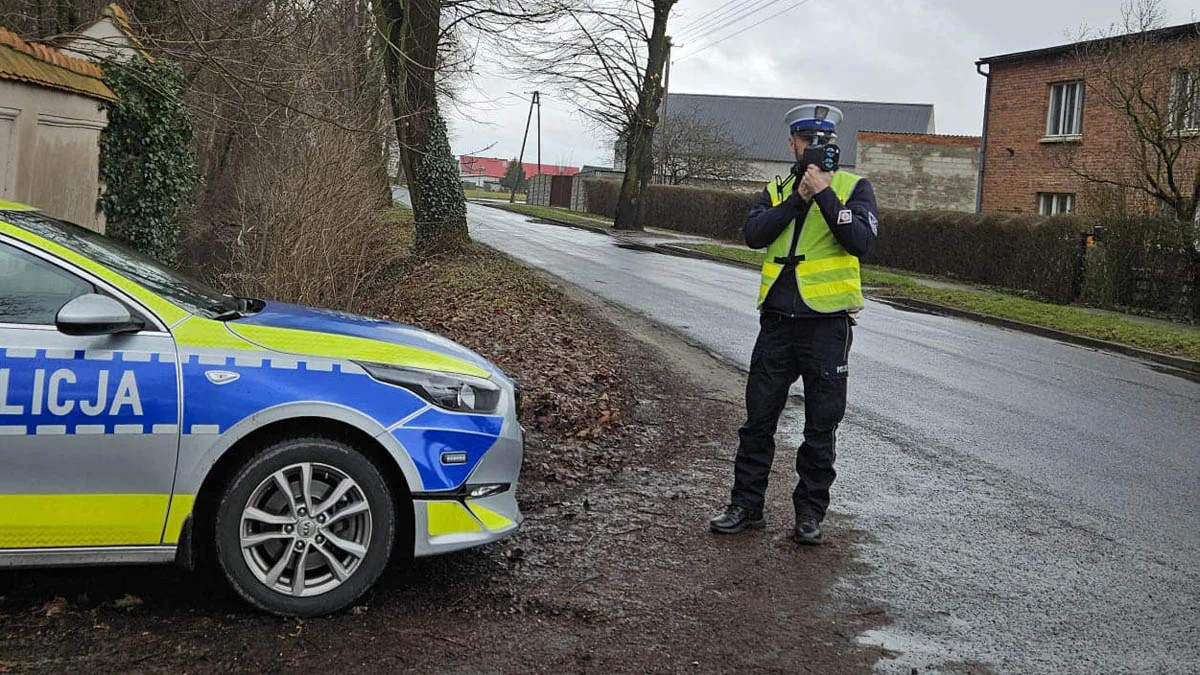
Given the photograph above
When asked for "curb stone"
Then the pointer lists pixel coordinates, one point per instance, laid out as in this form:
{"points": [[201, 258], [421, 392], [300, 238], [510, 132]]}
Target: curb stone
{"points": [[1188, 366]]}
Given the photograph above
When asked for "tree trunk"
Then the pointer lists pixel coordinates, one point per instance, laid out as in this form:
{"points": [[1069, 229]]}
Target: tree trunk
{"points": [[639, 146], [439, 207]]}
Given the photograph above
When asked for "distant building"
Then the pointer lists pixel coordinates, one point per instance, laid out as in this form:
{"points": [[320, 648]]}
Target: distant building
{"points": [[485, 172], [756, 123], [51, 116], [1038, 105]]}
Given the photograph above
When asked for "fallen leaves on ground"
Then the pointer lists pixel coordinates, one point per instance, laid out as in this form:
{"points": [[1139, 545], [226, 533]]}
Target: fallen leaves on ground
{"points": [[574, 392]]}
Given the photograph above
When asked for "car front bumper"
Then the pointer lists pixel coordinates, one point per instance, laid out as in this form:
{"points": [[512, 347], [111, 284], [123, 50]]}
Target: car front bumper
{"points": [[449, 522]]}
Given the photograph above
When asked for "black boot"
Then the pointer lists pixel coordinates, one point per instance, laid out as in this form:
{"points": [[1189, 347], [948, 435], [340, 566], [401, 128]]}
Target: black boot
{"points": [[808, 531], [735, 519]]}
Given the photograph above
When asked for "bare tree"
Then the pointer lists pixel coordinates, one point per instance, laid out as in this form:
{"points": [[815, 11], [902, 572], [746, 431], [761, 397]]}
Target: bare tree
{"points": [[424, 51], [691, 148], [1148, 78], [608, 58]]}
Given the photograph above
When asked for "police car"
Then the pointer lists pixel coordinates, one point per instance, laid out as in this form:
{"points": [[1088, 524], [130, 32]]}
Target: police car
{"points": [[147, 418]]}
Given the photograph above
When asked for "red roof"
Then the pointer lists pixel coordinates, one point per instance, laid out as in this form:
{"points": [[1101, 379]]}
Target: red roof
{"points": [[493, 167]]}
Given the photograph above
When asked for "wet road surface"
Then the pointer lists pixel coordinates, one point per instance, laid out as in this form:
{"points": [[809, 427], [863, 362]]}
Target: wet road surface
{"points": [[1034, 506]]}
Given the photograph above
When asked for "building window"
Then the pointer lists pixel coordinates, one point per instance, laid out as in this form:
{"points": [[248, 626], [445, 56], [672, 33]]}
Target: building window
{"points": [[1065, 117], [1185, 100], [1055, 203]]}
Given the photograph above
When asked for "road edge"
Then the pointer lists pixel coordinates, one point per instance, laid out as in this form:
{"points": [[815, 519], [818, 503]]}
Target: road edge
{"points": [[1188, 366]]}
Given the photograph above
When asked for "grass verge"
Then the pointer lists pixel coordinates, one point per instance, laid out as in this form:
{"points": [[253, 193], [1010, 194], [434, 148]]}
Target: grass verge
{"points": [[484, 194], [1179, 341]]}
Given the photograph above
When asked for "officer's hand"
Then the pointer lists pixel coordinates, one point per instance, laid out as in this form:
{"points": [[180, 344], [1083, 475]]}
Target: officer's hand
{"points": [[814, 181]]}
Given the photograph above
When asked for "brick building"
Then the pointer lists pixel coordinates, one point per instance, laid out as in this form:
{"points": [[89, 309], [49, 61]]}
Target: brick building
{"points": [[920, 171], [1046, 121]]}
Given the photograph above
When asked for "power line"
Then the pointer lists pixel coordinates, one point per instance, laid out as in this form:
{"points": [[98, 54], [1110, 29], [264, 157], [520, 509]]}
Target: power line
{"points": [[728, 37], [715, 30], [742, 14], [715, 17], [703, 18]]}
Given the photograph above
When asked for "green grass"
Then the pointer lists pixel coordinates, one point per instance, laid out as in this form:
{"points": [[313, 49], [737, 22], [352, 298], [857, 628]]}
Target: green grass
{"points": [[554, 213], [1180, 341], [484, 194], [731, 252]]}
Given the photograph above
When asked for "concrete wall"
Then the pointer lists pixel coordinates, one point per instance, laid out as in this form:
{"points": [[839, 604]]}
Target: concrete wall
{"points": [[537, 192], [50, 151], [920, 171]]}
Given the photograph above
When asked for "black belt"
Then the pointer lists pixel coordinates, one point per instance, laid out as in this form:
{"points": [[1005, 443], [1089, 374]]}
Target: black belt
{"points": [[789, 261]]}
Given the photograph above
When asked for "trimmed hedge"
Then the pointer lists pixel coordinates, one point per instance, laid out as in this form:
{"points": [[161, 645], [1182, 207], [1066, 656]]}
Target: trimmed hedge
{"points": [[1139, 262], [713, 213], [1020, 252]]}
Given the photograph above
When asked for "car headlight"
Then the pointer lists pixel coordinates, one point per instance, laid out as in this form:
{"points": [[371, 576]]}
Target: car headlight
{"points": [[461, 393]]}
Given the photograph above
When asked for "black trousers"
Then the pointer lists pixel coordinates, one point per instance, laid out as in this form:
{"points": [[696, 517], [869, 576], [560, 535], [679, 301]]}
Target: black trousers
{"points": [[817, 350]]}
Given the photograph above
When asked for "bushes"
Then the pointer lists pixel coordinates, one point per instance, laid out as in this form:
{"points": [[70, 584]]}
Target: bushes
{"points": [[310, 226], [1020, 252], [712, 213], [1147, 263], [600, 195], [1139, 261], [145, 156]]}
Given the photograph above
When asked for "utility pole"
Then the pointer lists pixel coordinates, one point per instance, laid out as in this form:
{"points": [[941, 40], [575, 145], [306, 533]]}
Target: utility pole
{"points": [[512, 197], [666, 138], [537, 98]]}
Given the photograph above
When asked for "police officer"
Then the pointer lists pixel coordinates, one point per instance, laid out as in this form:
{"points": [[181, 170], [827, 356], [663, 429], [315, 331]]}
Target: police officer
{"points": [[816, 224]]}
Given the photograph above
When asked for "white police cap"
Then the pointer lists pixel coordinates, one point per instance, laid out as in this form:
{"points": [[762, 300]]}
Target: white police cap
{"points": [[813, 117]]}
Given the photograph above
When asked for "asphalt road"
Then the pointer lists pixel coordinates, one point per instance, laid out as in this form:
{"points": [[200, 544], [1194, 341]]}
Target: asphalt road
{"points": [[1033, 506]]}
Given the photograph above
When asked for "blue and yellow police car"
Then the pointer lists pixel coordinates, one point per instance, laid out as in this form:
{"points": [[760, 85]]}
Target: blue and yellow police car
{"points": [[145, 417]]}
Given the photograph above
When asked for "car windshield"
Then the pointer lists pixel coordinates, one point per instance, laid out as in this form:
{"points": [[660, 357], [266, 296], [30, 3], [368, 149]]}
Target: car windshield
{"points": [[181, 290]]}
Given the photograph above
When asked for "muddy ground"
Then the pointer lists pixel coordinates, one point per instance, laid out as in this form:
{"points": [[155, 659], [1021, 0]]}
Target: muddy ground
{"points": [[632, 434]]}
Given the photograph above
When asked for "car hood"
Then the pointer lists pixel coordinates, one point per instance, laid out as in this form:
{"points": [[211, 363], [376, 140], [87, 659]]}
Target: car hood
{"points": [[279, 315]]}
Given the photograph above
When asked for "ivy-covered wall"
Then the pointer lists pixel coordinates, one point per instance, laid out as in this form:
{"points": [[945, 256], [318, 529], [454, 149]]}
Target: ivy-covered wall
{"points": [[146, 157]]}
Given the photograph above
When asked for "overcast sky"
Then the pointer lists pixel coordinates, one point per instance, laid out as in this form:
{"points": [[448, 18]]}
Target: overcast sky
{"points": [[908, 51]]}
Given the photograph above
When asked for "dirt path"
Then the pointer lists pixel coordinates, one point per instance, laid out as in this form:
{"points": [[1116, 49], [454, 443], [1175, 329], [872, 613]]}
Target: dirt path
{"points": [[613, 571]]}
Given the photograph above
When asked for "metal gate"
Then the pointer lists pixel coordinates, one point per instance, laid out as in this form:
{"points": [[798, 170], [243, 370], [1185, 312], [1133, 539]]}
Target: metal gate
{"points": [[560, 191]]}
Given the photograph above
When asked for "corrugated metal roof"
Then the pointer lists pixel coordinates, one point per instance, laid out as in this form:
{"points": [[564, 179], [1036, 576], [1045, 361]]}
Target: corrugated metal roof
{"points": [[38, 64], [757, 122]]}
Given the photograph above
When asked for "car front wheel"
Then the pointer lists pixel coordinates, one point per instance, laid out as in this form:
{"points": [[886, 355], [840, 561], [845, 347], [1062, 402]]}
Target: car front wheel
{"points": [[305, 527]]}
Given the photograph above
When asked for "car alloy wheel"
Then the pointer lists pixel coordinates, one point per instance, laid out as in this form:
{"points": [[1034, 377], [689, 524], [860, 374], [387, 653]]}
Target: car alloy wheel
{"points": [[305, 526], [305, 529]]}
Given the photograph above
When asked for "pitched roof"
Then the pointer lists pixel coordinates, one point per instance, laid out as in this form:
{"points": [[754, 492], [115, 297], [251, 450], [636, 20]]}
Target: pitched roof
{"points": [[38, 64], [1169, 33], [78, 42], [756, 122], [494, 167]]}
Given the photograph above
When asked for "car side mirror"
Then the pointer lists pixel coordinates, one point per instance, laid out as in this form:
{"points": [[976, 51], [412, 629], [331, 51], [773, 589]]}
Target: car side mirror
{"points": [[94, 314]]}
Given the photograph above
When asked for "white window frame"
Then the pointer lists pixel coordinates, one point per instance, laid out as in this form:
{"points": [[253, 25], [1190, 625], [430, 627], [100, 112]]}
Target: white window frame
{"points": [[1185, 114], [1056, 203], [1059, 120]]}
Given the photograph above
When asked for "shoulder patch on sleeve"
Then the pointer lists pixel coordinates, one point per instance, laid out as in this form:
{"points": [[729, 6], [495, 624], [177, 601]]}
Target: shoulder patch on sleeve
{"points": [[845, 217], [874, 222]]}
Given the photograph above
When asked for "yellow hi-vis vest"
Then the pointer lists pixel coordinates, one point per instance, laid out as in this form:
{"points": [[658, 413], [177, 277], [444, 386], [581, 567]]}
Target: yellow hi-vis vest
{"points": [[827, 276]]}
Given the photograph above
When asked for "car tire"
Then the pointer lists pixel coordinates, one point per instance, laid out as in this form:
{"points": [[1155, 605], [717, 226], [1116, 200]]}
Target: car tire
{"points": [[339, 533]]}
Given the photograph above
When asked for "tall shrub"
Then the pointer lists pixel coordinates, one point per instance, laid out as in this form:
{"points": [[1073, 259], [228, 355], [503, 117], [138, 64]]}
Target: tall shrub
{"points": [[146, 158]]}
